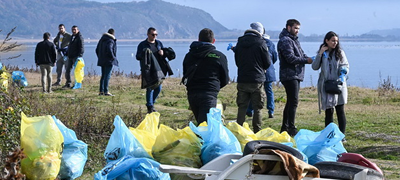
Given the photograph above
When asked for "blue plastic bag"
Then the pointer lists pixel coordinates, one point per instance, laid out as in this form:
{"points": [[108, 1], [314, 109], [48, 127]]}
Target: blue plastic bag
{"points": [[321, 146], [122, 142], [19, 78], [74, 154], [132, 168], [218, 139]]}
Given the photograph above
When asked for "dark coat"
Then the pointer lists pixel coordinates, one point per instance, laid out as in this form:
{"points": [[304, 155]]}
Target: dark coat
{"points": [[270, 74], [45, 53], [152, 75], [291, 57], [211, 73], [106, 50], [251, 57], [64, 43], [76, 47], [164, 65]]}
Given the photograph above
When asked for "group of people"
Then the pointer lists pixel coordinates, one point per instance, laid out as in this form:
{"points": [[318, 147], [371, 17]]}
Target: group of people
{"points": [[205, 70], [63, 51]]}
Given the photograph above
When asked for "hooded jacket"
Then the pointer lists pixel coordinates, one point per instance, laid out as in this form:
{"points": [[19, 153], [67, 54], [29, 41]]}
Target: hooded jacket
{"points": [[291, 57], [211, 73], [251, 57], [106, 50]]}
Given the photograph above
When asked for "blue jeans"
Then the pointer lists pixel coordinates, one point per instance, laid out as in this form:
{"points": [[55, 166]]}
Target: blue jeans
{"points": [[105, 78], [270, 99], [151, 95]]}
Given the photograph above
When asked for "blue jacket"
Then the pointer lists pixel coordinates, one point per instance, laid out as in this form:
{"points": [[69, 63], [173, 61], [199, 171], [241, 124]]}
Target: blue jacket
{"points": [[106, 50], [291, 57], [270, 74]]}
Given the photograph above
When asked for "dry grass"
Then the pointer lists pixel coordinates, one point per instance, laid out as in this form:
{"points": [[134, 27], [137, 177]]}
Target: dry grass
{"points": [[373, 117]]}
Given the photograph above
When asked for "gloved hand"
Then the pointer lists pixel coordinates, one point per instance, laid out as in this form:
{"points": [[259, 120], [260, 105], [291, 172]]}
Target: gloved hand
{"points": [[343, 72], [230, 45], [325, 55], [313, 58]]}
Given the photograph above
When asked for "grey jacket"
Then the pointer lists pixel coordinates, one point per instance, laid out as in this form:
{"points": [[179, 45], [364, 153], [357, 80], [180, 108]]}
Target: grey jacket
{"points": [[330, 70]]}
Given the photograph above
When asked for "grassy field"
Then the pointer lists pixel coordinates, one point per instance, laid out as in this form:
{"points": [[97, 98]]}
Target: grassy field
{"points": [[373, 116]]}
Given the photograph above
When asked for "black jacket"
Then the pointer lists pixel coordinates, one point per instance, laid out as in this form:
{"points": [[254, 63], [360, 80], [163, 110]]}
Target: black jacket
{"points": [[106, 50], [45, 53], [211, 73], [164, 65], [76, 47], [251, 57]]}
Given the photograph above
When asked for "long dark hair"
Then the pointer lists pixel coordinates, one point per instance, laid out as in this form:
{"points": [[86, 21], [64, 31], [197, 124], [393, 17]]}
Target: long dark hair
{"points": [[337, 50]]}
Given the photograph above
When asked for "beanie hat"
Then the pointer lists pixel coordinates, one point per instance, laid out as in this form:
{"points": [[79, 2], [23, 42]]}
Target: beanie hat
{"points": [[258, 27]]}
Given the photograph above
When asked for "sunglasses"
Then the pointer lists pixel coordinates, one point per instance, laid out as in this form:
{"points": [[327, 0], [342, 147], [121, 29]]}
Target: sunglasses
{"points": [[154, 34]]}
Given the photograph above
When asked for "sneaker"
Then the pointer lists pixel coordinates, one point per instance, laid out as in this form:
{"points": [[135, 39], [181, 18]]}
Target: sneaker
{"points": [[56, 84], [270, 115], [101, 93], [108, 94], [344, 140], [67, 86], [150, 109]]}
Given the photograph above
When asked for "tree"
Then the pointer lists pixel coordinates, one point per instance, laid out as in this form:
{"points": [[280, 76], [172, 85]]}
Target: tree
{"points": [[6, 46]]}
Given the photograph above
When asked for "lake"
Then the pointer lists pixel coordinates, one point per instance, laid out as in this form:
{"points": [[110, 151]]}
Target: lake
{"points": [[370, 62]]}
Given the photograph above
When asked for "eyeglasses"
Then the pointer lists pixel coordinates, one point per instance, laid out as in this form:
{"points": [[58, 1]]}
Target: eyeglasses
{"points": [[154, 34]]}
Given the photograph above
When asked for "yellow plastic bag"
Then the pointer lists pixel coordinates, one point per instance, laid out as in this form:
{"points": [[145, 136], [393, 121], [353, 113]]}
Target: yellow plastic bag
{"points": [[242, 133], [181, 147], [269, 134], [4, 76], [79, 72], [42, 142], [43, 168], [147, 131]]}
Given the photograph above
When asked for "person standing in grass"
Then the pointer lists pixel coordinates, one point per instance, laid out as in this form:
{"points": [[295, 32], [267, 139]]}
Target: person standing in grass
{"points": [[106, 52], [291, 72], [61, 41], [206, 72], [252, 59], [75, 51], [156, 46], [45, 57], [333, 65]]}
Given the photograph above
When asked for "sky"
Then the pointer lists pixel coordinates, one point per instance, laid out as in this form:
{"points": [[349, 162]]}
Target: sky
{"points": [[345, 17]]}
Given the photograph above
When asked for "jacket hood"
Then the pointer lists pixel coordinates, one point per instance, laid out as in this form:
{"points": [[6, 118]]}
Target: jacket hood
{"points": [[201, 49], [110, 35], [249, 38], [285, 32]]}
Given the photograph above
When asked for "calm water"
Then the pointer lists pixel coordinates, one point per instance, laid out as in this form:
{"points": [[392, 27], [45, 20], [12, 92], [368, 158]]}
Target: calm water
{"points": [[370, 62]]}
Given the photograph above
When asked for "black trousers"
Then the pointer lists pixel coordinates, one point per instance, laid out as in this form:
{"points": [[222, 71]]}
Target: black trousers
{"points": [[292, 88], [340, 115], [200, 104]]}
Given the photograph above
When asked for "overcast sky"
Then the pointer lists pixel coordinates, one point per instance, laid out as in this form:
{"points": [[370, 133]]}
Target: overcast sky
{"points": [[351, 17]]}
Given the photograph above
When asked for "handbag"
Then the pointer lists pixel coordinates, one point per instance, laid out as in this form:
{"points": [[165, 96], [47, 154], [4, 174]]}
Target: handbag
{"points": [[333, 86]]}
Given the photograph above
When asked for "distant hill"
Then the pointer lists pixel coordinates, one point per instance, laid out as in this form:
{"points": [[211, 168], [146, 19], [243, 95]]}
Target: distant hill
{"points": [[387, 32], [129, 19]]}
